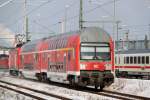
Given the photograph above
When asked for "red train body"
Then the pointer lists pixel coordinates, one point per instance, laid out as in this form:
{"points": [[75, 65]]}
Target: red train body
{"points": [[83, 57], [4, 61]]}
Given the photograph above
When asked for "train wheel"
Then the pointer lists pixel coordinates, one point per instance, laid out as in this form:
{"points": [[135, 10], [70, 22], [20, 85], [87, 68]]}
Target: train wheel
{"points": [[124, 74], [72, 82], [14, 72], [39, 77], [10, 72], [148, 77], [96, 87], [44, 77], [101, 86], [21, 75]]}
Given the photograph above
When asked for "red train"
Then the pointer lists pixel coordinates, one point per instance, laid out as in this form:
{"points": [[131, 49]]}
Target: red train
{"points": [[82, 57], [4, 61]]}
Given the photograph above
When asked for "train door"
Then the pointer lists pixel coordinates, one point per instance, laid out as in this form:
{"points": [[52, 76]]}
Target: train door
{"points": [[69, 63], [28, 66], [44, 62], [39, 62], [15, 59]]}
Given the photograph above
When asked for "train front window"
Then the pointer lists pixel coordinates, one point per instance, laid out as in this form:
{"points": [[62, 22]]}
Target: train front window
{"points": [[87, 52], [95, 52]]}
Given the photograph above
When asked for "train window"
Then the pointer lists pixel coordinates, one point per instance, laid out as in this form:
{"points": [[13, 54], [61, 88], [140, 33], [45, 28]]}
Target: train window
{"points": [[60, 43], [124, 60], [65, 42], [115, 60], [69, 55], [127, 60], [143, 60], [36, 57], [131, 60], [147, 59], [135, 60], [119, 60], [139, 59], [53, 44]]}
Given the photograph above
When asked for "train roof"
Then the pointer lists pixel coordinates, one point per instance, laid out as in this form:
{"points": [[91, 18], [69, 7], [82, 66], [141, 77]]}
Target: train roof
{"points": [[134, 51], [89, 34], [94, 34]]}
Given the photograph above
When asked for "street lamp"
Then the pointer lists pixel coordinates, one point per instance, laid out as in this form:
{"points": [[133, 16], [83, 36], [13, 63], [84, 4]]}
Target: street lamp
{"points": [[63, 22], [65, 17]]}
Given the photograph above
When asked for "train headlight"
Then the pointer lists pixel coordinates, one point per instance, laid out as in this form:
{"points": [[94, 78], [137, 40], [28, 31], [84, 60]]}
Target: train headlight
{"points": [[108, 66], [82, 66]]}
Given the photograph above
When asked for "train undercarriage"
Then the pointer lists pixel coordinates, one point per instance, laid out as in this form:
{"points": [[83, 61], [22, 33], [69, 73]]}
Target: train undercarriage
{"points": [[97, 79], [92, 78], [133, 75]]}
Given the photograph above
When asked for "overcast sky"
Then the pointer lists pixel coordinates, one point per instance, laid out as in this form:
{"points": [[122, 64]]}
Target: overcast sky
{"points": [[134, 15]]}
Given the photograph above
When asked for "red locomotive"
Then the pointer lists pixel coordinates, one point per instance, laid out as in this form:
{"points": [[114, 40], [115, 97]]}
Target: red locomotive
{"points": [[4, 61], [82, 57]]}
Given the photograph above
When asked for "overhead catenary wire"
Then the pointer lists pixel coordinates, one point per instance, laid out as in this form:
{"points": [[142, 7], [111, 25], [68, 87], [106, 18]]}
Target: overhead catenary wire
{"points": [[62, 10], [70, 18], [36, 8], [54, 15], [6, 3], [43, 26], [85, 12], [28, 14]]}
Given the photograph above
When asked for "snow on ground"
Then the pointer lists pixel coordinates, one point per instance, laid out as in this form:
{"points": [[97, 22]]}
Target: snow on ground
{"points": [[10, 95], [131, 86], [73, 94]]}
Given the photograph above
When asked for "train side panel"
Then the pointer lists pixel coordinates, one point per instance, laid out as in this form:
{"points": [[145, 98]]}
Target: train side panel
{"points": [[63, 60], [83, 57], [4, 61], [133, 64]]}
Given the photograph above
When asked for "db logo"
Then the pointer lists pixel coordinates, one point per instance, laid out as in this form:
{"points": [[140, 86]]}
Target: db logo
{"points": [[95, 66]]}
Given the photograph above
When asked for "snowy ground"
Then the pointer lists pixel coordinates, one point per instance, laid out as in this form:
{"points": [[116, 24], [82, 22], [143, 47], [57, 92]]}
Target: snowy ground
{"points": [[73, 94], [10, 95], [131, 86]]}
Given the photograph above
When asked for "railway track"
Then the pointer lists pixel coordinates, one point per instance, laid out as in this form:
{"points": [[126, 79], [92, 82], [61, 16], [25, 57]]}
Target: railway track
{"points": [[33, 93], [122, 96], [127, 96], [106, 93]]}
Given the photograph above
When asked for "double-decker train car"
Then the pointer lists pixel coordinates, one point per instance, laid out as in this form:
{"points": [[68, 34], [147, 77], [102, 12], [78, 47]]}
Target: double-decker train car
{"points": [[82, 57], [133, 63], [4, 61]]}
